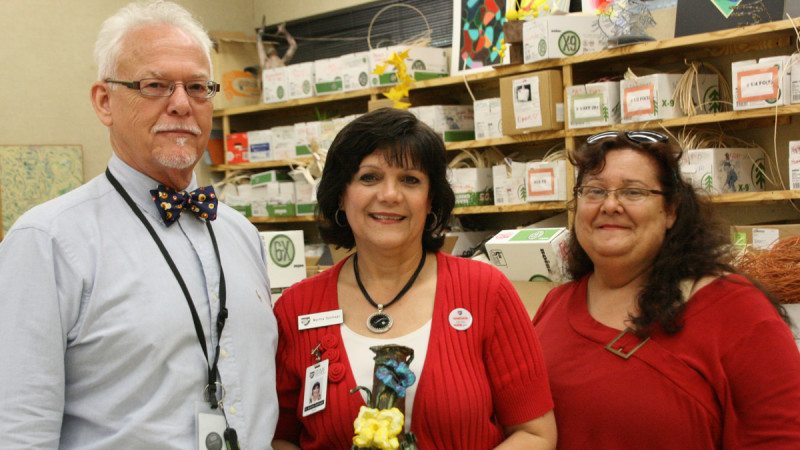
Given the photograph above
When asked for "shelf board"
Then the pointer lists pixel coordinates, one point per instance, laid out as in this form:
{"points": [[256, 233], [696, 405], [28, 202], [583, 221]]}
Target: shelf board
{"points": [[755, 197], [507, 140], [700, 119], [260, 165], [499, 209], [273, 220], [261, 107]]}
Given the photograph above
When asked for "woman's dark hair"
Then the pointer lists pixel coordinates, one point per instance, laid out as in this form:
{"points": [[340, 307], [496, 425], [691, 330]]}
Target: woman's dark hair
{"points": [[403, 141], [315, 386], [697, 245]]}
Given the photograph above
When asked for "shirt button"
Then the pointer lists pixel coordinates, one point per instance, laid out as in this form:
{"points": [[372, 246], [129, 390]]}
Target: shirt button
{"points": [[232, 410]]}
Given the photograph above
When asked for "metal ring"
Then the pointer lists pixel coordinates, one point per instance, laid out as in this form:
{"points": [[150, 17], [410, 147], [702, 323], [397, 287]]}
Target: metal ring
{"points": [[434, 222], [336, 217], [206, 391]]}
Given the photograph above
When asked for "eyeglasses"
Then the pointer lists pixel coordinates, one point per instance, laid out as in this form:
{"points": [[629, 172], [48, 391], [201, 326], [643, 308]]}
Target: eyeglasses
{"points": [[594, 194], [156, 87], [640, 137]]}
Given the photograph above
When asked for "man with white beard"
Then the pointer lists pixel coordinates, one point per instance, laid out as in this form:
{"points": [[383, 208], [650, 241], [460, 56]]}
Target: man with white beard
{"points": [[130, 319]]}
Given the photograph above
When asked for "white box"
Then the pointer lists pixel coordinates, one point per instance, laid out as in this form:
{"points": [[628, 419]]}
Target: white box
{"points": [[355, 71], [794, 78], [760, 83], [593, 104], [328, 74], [548, 37], [794, 165], [793, 310], [651, 97], [305, 197], [425, 63], [452, 122], [473, 187], [302, 143], [533, 254], [380, 56], [509, 183], [546, 181], [286, 257], [300, 80], [719, 170], [283, 142], [488, 118], [268, 176], [422, 63], [273, 82], [258, 142]]}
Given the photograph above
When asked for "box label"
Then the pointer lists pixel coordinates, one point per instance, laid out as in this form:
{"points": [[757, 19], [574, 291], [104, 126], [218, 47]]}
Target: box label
{"points": [[758, 84], [588, 108], [541, 182], [527, 104], [638, 100], [536, 234]]}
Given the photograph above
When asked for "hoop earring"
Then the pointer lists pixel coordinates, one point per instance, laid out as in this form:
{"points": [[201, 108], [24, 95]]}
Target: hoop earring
{"points": [[336, 218], [434, 221]]}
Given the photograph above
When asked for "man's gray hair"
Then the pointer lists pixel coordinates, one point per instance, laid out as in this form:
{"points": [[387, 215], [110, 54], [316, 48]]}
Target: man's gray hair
{"points": [[136, 15]]}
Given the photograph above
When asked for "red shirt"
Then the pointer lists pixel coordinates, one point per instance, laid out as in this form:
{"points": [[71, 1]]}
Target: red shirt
{"points": [[473, 383], [729, 380]]}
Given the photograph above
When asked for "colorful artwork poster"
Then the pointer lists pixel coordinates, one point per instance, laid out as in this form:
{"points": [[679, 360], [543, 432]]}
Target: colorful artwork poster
{"points": [[477, 34], [33, 174], [726, 7]]}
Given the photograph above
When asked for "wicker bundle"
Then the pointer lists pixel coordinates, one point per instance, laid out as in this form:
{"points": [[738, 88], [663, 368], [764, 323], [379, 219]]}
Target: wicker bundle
{"points": [[778, 269]]}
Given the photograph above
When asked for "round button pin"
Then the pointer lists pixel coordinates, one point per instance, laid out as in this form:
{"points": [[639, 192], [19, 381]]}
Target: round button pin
{"points": [[460, 319]]}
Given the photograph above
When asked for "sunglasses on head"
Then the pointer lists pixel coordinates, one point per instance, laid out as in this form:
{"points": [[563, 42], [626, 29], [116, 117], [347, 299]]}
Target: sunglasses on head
{"points": [[640, 137]]}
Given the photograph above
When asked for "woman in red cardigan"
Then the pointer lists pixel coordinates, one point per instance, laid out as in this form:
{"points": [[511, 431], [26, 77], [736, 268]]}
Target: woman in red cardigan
{"points": [[480, 379], [658, 343]]}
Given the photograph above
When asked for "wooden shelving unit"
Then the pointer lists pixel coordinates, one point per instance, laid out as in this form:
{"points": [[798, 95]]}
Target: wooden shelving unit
{"points": [[775, 37]]}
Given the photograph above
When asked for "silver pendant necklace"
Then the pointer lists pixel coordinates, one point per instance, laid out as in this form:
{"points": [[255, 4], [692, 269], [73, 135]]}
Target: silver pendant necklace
{"points": [[379, 322]]}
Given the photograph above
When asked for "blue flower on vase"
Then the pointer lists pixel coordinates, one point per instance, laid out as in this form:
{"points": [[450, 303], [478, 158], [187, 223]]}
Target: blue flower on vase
{"points": [[396, 376]]}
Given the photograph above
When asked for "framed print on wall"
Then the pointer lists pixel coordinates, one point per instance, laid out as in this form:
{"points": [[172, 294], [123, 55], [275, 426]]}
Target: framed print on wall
{"points": [[477, 34]]}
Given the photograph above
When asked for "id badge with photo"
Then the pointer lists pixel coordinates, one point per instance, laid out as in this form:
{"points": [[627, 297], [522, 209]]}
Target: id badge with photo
{"points": [[210, 427], [315, 392]]}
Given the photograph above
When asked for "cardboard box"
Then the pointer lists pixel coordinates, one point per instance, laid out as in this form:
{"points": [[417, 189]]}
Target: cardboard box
{"points": [[720, 170], [794, 165], [422, 63], [532, 254], [761, 83], [472, 186], [286, 260], [236, 148], [533, 293], [651, 97], [232, 53], [380, 56], [509, 183], [547, 37], [283, 142], [453, 122], [488, 114], [355, 71], [464, 242], [593, 104], [794, 82], [273, 82], [305, 197], [328, 74], [530, 102], [258, 143], [268, 176], [761, 237], [546, 181], [300, 80]]}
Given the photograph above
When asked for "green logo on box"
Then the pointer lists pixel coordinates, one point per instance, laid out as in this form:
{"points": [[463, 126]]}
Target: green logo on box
{"points": [[536, 234], [281, 250], [569, 43]]}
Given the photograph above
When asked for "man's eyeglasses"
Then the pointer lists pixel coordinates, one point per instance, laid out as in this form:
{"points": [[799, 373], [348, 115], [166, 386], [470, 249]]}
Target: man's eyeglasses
{"points": [[594, 194], [640, 137], [156, 87]]}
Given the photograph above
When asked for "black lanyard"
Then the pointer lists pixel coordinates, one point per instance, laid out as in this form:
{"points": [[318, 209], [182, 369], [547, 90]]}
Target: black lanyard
{"points": [[213, 372]]}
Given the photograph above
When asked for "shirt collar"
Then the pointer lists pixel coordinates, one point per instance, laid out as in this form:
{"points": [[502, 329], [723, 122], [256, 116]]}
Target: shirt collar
{"points": [[139, 185]]}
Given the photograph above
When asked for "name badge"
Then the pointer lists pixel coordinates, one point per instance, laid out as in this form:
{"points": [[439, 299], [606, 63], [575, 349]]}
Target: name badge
{"points": [[323, 319], [210, 428], [315, 393]]}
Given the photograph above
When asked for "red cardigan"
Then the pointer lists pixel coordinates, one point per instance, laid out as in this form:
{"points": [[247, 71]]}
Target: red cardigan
{"points": [[473, 383], [729, 380]]}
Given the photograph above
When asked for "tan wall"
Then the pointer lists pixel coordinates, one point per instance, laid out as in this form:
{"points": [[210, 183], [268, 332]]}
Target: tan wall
{"points": [[277, 11], [46, 68]]}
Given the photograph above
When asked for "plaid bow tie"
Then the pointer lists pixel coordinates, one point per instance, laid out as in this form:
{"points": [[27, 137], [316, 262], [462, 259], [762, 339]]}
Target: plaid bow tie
{"points": [[201, 201]]}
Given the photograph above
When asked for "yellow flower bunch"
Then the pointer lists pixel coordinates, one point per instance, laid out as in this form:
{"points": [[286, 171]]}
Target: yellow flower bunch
{"points": [[378, 428], [521, 9], [400, 90]]}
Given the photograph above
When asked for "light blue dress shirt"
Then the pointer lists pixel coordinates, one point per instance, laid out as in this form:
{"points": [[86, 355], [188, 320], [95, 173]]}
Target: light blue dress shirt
{"points": [[97, 345]]}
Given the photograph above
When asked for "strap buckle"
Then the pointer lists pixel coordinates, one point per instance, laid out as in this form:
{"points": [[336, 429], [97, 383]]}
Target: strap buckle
{"points": [[619, 352]]}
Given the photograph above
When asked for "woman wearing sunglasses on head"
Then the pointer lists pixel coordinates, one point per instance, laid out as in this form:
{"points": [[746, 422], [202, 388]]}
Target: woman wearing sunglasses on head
{"points": [[658, 343]]}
